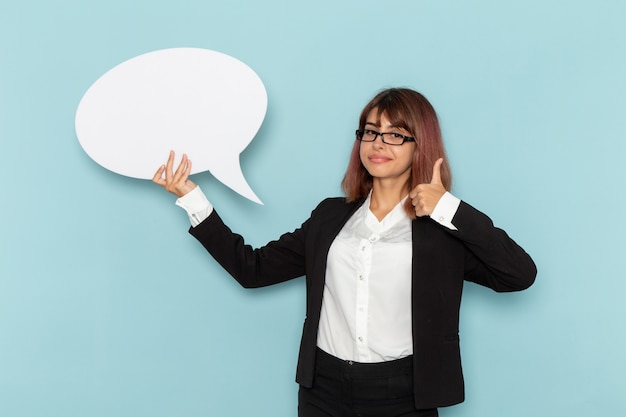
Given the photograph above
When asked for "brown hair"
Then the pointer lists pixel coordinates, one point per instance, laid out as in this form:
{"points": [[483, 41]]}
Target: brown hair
{"points": [[410, 110]]}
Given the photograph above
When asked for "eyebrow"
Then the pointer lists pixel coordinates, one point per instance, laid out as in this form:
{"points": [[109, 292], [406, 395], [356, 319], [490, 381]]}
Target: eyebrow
{"points": [[378, 125]]}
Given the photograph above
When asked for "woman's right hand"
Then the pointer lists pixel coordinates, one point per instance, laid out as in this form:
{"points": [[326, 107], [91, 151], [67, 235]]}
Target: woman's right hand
{"points": [[178, 182]]}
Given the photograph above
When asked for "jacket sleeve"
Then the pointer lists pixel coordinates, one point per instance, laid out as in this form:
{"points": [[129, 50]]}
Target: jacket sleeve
{"points": [[278, 261], [492, 258]]}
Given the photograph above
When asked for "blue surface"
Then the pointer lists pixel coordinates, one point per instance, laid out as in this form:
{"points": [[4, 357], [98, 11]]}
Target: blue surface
{"points": [[109, 308]]}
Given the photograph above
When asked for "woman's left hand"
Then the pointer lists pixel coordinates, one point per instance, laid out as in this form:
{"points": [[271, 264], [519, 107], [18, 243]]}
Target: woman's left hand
{"points": [[426, 196]]}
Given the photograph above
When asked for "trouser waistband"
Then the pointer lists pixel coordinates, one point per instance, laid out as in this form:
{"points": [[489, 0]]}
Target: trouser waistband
{"points": [[332, 365]]}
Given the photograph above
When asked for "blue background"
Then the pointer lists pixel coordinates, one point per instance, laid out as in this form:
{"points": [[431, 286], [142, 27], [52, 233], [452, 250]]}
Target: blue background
{"points": [[109, 308]]}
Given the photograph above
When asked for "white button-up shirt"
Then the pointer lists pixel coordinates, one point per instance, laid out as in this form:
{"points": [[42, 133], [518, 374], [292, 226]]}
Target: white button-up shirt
{"points": [[366, 309]]}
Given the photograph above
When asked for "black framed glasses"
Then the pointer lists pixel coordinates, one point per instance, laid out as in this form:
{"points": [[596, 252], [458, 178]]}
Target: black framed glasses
{"points": [[390, 138]]}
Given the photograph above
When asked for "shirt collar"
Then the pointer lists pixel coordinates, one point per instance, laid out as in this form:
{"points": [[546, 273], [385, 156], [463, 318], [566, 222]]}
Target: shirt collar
{"points": [[396, 215]]}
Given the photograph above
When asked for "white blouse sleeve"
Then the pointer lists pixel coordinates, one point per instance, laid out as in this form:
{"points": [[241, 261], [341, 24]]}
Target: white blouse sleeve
{"points": [[196, 205], [445, 210]]}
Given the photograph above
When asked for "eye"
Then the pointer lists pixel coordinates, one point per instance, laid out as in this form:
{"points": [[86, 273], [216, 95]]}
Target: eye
{"points": [[396, 135], [370, 132]]}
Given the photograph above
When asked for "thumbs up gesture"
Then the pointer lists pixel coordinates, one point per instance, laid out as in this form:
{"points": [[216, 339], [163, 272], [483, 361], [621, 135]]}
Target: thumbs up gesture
{"points": [[426, 196]]}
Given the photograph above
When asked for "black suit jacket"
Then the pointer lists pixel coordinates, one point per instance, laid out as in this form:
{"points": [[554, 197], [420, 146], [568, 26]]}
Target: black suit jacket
{"points": [[442, 260]]}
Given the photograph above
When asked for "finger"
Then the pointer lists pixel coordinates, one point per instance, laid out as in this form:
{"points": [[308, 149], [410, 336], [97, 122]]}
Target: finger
{"points": [[180, 168], [182, 172], [188, 169], [158, 175], [414, 194], [436, 179], [168, 166], [419, 190]]}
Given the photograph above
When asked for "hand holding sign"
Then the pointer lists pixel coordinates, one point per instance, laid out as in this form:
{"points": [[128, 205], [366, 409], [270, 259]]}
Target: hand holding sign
{"points": [[176, 182], [201, 102]]}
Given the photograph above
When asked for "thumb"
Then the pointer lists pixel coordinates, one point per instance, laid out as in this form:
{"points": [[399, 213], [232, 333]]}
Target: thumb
{"points": [[436, 179]]}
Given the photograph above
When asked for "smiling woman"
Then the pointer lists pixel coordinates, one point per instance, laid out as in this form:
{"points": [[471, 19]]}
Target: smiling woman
{"points": [[388, 163], [384, 267], [405, 112]]}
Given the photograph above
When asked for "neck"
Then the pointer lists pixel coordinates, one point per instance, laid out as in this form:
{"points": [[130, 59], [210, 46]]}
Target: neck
{"points": [[386, 195]]}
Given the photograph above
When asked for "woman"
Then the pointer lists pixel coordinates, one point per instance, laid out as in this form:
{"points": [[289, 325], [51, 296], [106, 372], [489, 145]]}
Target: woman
{"points": [[384, 268]]}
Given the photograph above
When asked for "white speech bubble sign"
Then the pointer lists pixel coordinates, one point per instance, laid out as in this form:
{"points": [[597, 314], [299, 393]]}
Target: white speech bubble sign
{"points": [[204, 103]]}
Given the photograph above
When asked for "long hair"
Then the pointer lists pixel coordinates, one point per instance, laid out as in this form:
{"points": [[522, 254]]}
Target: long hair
{"points": [[411, 111]]}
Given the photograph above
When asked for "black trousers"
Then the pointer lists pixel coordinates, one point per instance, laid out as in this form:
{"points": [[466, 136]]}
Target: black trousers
{"points": [[352, 389]]}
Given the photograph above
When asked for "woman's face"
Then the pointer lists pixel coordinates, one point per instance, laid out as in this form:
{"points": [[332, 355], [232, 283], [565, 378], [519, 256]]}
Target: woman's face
{"points": [[383, 161]]}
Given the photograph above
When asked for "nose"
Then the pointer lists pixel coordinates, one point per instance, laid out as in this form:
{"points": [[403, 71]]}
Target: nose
{"points": [[378, 141]]}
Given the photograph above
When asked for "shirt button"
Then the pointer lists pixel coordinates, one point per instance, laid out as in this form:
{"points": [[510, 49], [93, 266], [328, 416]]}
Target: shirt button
{"points": [[441, 219], [360, 339]]}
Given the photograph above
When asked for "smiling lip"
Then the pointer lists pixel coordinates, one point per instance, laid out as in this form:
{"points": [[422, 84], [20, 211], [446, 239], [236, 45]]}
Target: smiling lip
{"points": [[378, 158]]}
